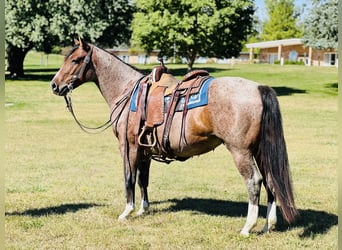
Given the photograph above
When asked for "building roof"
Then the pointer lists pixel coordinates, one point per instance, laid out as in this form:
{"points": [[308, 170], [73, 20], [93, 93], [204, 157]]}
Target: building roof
{"points": [[275, 43]]}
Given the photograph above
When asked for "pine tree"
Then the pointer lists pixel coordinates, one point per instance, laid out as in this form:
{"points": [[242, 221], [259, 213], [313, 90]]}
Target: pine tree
{"points": [[321, 25]]}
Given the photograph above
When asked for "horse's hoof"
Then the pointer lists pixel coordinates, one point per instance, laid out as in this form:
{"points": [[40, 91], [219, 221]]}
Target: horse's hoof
{"points": [[268, 227], [143, 208], [123, 217], [244, 233], [120, 218], [128, 210], [142, 211]]}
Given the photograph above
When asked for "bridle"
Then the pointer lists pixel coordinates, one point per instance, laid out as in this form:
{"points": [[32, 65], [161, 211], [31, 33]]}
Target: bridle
{"points": [[124, 100], [80, 73]]}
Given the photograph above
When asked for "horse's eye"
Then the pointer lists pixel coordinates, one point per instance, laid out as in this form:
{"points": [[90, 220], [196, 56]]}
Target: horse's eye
{"points": [[75, 61]]}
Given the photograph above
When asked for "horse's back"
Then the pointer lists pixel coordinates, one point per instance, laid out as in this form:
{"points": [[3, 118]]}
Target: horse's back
{"points": [[235, 89], [232, 117]]}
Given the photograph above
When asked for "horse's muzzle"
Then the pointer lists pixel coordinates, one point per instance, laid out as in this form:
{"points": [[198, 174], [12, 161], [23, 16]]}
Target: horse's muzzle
{"points": [[61, 91]]}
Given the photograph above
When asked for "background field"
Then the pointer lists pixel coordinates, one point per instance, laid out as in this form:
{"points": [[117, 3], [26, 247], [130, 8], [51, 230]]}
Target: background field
{"points": [[64, 188]]}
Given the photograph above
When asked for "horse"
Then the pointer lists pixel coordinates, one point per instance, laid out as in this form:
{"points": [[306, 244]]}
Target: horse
{"points": [[241, 114]]}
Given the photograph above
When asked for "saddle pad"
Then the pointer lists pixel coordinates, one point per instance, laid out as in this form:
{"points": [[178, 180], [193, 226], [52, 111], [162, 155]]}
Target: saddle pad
{"points": [[195, 100]]}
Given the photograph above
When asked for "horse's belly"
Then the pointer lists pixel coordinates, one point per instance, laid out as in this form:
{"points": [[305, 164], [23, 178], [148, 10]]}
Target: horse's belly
{"points": [[198, 147], [197, 135]]}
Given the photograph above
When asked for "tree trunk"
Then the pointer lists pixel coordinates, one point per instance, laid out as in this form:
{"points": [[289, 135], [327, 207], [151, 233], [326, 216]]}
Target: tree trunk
{"points": [[15, 59], [191, 61]]}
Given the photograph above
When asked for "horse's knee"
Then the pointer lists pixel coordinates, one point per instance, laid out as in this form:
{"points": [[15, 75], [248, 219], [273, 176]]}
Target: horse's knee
{"points": [[253, 187]]}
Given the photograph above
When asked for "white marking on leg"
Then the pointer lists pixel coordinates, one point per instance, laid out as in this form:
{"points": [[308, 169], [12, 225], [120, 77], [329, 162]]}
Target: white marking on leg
{"points": [[271, 217], [252, 217], [143, 208], [128, 210]]}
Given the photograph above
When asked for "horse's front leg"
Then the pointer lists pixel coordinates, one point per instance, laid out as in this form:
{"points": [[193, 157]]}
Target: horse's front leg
{"points": [[130, 179], [143, 178], [129, 154]]}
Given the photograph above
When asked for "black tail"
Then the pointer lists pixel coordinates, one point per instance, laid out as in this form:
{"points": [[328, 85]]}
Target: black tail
{"points": [[271, 154]]}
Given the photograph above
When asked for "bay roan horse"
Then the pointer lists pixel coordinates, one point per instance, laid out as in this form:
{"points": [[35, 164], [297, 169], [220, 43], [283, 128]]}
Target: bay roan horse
{"points": [[240, 114]]}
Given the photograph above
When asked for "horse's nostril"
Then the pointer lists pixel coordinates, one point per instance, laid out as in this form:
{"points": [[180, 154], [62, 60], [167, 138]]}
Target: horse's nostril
{"points": [[54, 86]]}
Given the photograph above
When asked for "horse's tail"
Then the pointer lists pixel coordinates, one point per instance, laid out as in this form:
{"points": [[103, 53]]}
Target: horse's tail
{"points": [[271, 154]]}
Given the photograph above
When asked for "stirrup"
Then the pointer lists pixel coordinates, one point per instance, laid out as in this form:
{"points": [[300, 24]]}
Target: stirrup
{"points": [[153, 138]]}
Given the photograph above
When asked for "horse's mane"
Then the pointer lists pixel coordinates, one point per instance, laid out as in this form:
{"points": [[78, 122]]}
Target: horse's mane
{"points": [[118, 58], [111, 53]]}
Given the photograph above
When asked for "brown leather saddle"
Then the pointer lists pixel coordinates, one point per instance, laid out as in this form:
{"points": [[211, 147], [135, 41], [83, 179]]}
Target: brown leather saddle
{"points": [[152, 111]]}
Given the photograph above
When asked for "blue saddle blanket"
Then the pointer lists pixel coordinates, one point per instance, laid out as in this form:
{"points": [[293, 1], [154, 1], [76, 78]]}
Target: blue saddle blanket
{"points": [[195, 100]]}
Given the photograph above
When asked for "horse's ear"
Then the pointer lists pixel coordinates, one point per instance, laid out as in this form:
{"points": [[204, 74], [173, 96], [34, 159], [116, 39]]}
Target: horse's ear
{"points": [[81, 41], [77, 42], [83, 44]]}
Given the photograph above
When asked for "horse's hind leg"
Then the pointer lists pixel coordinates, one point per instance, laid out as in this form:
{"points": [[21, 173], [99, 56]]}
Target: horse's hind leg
{"points": [[245, 163], [271, 216], [143, 177]]}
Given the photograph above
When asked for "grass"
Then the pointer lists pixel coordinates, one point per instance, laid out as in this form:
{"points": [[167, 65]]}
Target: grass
{"points": [[64, 188]]}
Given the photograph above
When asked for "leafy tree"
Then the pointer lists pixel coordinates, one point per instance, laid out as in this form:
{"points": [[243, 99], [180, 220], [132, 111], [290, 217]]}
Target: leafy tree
{"points": [[321, 25], [282, 22], [26, 24], [44, 24], [192, 28]]}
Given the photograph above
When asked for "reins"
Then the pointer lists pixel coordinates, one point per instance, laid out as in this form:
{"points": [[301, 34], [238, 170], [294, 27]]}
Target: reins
{"points": [[89, 130], [96, 130]]}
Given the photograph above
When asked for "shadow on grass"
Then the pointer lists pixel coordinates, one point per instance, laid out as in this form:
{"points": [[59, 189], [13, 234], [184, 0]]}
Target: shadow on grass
{"points": [[35, 75], [282, 91], [56, 210], [331, 88], [332, 85], [313, 222]]}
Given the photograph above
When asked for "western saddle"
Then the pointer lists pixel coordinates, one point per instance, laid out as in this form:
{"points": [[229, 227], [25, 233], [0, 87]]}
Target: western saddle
{"points": [[152, 110]]}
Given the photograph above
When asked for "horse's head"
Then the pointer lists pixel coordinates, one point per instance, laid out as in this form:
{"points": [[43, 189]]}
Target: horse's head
{"points": [[76, 69]]}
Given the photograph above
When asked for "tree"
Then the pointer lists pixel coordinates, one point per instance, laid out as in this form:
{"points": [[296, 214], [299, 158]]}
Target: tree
{"points": [[321, 25], [43, 24], [26, 24], [192, 28], [282, 21]]}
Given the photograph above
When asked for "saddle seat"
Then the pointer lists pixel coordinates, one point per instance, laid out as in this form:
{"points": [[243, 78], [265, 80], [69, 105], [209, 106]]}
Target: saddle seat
{"points": [[170, 82]]}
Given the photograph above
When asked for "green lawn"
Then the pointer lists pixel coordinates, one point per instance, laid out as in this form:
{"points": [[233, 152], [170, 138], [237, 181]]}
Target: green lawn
{"points": [[64, 188]]}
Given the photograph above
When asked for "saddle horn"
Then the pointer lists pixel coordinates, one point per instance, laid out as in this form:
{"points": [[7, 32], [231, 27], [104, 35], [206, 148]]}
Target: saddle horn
{"points": [[159, 70]]}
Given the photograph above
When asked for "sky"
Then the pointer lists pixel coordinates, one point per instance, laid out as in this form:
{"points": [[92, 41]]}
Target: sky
{"points": [[261, 11]]}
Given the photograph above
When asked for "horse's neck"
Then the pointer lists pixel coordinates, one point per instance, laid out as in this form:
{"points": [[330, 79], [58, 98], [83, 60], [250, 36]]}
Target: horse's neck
{"points": [[114, 76]]}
